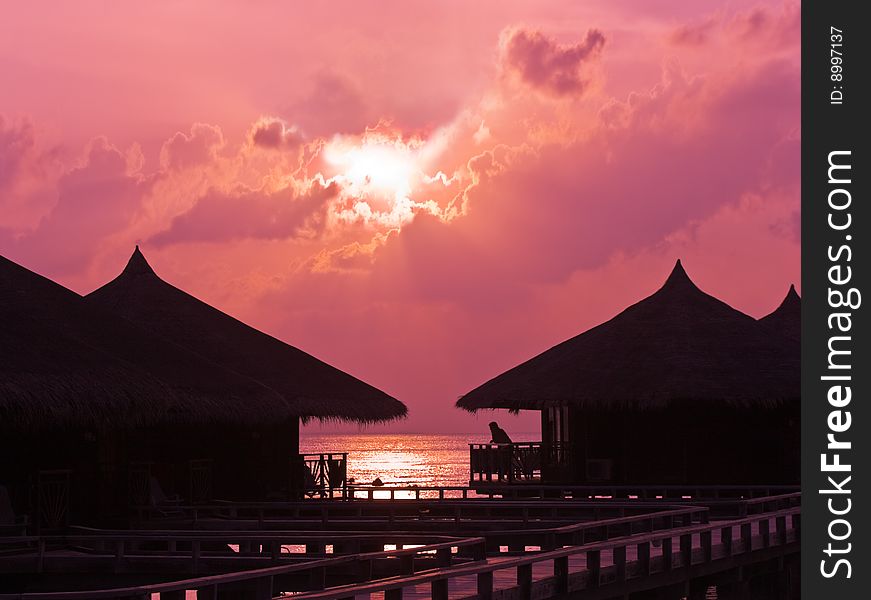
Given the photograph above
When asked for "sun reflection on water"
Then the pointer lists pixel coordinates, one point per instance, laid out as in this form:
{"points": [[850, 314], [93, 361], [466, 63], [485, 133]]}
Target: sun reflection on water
{"points": [[402, 460]]}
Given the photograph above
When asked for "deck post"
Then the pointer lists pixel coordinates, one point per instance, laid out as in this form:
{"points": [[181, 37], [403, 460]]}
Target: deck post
{"points": [[561, 574], [765, 532], [485, 585], [620, 563], [594, 568], [407, 564], [439, 589], [747, 537], [726, 539], [780, 528], [444, 557], [524, 581], [686, 550], [643, 550], [172, 595], [707, 550], [667, 554]]}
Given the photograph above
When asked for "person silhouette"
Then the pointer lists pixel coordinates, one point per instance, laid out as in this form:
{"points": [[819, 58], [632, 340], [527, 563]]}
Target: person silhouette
{"points": [[498, 435]]}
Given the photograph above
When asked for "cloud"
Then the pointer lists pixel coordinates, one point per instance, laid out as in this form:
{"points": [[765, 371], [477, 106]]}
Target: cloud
{"points": [[94, 200], [16, 142], [756, 26], [546, 66], [273, 133], [199, 147], [334, 104], [251, 214]]}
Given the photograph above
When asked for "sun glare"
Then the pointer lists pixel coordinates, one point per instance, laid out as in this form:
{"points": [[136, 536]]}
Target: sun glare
{"points": [[379, 165]]}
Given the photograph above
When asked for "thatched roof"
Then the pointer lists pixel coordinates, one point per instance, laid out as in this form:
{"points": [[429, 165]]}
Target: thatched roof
{"points": [[678, 345], [786, 318], [314, 388], [64, 363]]}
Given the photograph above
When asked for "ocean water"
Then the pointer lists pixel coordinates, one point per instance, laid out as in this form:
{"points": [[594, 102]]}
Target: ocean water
{"points": [[403, 459]]}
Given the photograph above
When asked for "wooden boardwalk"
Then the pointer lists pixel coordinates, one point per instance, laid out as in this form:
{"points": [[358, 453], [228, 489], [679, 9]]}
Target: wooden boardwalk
{"points": [[535, 553]]}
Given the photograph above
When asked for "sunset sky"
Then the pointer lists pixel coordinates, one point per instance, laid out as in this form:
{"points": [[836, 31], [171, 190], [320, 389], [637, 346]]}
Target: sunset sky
{"points": [[420, 193]]}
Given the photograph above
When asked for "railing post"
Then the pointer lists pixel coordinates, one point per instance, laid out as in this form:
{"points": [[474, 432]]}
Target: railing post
{"points": [[524, 580], [444, 557], [747, 537], [393, 594], [643, 550], [726, 539], [561, 574], [620, 563], [485, 585], [780, 528], [667, 554], [594, 568], [707, 550], [686, 550], [172, 595], [439, 589], [407, 564], [765, 532]]}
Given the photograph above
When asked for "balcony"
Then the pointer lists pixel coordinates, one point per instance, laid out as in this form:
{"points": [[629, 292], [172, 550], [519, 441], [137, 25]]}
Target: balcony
{"points": [[518, 463], [325, 475]]}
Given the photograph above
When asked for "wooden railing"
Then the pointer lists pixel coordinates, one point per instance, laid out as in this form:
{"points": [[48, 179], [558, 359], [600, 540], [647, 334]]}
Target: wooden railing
{"points": [[580, 492], [696, 554], [663, 541], [517, 462], [375, 514], [325, 475], [260, 582]]}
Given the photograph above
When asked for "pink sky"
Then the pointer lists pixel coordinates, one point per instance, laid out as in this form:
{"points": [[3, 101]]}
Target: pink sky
{"points": [[422, 194]]}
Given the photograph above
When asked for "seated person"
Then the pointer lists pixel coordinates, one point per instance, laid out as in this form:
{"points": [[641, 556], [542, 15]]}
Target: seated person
{"points": [[499, 436]]}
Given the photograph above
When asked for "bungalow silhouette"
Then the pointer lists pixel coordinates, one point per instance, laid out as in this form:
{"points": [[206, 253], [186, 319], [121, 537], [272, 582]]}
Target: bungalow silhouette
{"points": [[679, 388], [141, 392]]}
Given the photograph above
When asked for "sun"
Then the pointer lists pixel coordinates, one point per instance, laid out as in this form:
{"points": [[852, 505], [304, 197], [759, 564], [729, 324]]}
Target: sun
{"points": [[374, 166]]}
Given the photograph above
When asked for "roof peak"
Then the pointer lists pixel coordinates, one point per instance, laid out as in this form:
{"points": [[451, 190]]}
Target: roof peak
{"points": [[678, 277], [137, 265], [791, 298]]}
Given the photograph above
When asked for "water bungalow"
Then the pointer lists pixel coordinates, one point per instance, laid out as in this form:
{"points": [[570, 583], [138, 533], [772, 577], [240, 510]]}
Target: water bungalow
{"points": [[101, 412], [678, 388]]}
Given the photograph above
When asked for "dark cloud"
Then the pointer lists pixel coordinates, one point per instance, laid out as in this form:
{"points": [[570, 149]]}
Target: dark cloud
{"points": [[275, 134], [94, 200], [543, 64], [220, 216]]}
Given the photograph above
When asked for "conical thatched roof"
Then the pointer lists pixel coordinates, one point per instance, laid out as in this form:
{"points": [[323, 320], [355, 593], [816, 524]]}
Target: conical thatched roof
{"points": [[678, 345], [786, 318], [64, 363], [314, 388]]}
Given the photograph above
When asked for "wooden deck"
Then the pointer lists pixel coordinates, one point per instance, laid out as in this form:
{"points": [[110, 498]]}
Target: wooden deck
{"points": [[483, 549]]}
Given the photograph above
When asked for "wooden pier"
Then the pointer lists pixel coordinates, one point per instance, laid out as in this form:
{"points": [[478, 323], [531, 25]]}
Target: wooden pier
{"points": [[665, 548]]}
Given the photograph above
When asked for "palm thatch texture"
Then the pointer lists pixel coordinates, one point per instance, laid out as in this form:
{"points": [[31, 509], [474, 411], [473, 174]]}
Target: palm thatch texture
{"points": [[65, 364], [314, 388], [786, 318], [678, 345]]}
